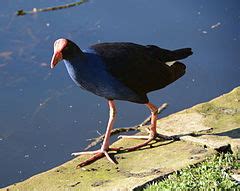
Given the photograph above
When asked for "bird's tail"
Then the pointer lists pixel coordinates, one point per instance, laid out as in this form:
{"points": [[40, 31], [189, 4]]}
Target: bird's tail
{"points": [[182, 53], [178, 70]]}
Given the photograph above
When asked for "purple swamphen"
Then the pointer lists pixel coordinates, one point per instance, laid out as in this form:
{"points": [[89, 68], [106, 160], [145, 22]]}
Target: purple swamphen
{"points": [[120, 71]]}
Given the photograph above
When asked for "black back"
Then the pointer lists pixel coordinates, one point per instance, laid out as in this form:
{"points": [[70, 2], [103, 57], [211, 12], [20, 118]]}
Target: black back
{"points": [[141, 68]]}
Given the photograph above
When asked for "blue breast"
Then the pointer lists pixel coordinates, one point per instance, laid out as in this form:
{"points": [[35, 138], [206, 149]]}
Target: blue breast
{"points": [[91, 74]]}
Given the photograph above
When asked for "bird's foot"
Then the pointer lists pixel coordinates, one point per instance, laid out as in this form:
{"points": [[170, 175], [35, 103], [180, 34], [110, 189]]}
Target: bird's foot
{"points": [[148, 139], [96, 155]]}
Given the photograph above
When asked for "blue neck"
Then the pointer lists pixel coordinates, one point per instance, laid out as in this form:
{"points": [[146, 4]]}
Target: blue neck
{"points": [[86, 70]]}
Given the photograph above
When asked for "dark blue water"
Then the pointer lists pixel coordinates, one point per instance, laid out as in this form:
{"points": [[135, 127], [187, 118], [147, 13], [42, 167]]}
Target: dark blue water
{"points": [[44, 117]]}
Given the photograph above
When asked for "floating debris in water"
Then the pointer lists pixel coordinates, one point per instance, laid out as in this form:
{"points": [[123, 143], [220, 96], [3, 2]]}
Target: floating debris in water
{"points": [[36, 10], [26, 156], [98, 132], [216, 25], [2, 65], [6, 54], [204, 32], [43, 64]]}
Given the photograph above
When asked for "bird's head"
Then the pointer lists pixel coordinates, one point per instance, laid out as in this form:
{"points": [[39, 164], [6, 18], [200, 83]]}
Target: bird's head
{"points": [[64, 49]]}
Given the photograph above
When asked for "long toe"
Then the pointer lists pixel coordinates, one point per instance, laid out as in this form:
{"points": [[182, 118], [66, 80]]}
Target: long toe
{"points": [[96, 155], [150, 138], [165, 137], [136, 147], [91, 160], [85, 153], [146, 137]]}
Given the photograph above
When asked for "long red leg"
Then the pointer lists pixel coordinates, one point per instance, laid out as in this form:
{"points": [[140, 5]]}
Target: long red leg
{"points": [[153, 130], [105, 146]]}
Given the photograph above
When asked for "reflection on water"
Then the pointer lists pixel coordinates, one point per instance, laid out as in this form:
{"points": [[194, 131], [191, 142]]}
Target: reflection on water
{"points": [[44, 116]]}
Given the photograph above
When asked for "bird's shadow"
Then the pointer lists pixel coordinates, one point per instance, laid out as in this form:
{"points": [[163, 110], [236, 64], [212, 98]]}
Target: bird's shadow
{"points": [[151, 145], [234, 134]]}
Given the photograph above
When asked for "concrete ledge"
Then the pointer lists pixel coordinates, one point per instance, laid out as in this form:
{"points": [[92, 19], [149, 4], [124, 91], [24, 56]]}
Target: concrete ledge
{"points": [[203, 130]]}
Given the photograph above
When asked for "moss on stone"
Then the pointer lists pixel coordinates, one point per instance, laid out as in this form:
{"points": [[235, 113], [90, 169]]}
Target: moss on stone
{"points": [[222, 113], [134, 168], [163, 157]]}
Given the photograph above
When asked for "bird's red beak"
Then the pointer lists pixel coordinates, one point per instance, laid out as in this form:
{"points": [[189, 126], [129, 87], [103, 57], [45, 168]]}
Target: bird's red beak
{"points": [[59, 45], [57, 57]]}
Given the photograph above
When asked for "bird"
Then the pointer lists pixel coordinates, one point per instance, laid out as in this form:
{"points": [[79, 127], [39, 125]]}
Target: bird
{"points": [[120, 71]]}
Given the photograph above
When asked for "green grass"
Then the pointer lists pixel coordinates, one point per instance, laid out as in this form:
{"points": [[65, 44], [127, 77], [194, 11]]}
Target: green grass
{"points": [[212, 174]]}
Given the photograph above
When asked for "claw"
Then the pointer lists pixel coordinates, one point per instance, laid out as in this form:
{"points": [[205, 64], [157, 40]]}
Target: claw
{"points": [[96, 155]]}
